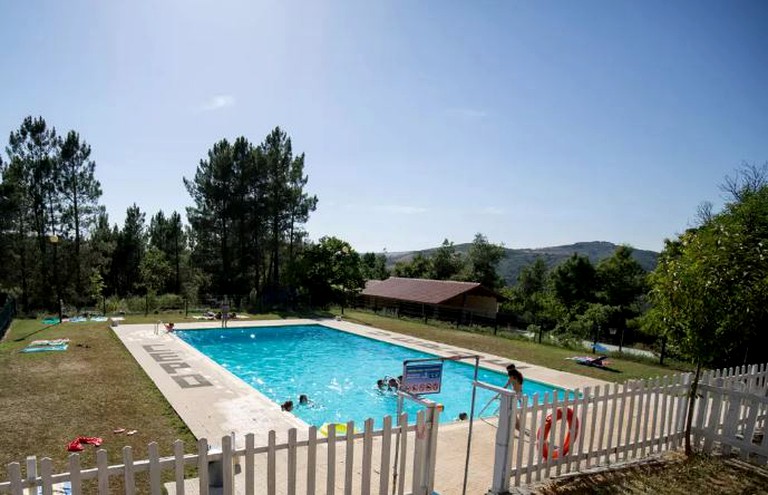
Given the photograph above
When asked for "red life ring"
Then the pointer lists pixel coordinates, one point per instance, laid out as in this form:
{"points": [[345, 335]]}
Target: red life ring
{"points": [[569, 417]]}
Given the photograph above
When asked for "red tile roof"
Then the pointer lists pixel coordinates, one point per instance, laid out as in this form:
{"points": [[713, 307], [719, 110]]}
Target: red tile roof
{"points": [[423, 290]]}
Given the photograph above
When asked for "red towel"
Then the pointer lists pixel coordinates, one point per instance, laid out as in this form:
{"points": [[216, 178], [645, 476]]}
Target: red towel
{"points": [[76, 445]]}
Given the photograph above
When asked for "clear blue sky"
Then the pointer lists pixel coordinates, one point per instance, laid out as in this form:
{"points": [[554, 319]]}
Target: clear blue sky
{"points": [[535, 123]]}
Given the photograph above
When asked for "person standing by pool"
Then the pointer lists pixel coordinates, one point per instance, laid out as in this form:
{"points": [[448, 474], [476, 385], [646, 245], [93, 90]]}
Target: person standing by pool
{"points": [[515, 380]]}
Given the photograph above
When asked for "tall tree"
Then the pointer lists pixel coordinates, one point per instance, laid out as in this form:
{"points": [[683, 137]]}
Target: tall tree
{"points": [[374, 266], [277, 153], [301, 204], [177, 242], [483, 261], [33, 151], [81, 192], [621, 278], [446, 262], [419, 266], [155, 270], [168, 236], [210, 217], [131, 245], [531, 290], [622, 282], [574, 283], [710, 288], [330, 272], [14, 245], [101, 252]]}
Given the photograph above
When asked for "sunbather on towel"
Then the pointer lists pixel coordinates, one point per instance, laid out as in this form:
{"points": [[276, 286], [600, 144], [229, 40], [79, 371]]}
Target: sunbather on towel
{"points": [[590, 361]]}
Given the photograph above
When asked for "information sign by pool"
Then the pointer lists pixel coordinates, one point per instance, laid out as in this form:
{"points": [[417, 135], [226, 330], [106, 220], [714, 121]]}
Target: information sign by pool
{"points": [[422, 378]]}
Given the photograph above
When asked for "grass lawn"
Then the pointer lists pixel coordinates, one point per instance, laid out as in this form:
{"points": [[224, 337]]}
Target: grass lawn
{"points": [[674, 475], [513, 348], [48, 399]]}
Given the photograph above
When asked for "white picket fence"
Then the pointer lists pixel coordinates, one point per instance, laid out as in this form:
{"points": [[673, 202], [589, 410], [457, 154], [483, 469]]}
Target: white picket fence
{"points": [[346, 469], [620, 422], [731, 413], [588, 428]]}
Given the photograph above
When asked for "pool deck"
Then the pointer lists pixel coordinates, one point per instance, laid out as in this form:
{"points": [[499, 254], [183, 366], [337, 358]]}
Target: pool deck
{"points": [[213, 402]]}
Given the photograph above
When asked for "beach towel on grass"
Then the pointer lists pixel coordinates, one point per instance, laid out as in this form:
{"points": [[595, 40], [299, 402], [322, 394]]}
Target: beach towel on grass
{"points": [[47, 345], [62, 347]]}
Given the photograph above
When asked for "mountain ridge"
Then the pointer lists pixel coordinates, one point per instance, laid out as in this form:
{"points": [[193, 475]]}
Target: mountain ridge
{"points": [[516, 259]]}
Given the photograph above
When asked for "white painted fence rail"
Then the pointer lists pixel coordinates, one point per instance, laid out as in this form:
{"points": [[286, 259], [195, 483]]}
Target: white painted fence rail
{"points": [[346, 463]]}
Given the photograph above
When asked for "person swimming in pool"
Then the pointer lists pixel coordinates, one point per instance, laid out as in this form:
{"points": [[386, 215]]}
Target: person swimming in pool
{"points": [[393, 384], [287, 406]]}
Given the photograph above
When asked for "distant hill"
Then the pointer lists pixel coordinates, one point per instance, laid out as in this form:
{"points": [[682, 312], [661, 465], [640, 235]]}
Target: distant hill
{"points": [[511, 266]]}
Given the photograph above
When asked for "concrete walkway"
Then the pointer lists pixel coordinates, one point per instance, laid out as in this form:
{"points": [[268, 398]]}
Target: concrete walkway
{"points": [[213, 402]]}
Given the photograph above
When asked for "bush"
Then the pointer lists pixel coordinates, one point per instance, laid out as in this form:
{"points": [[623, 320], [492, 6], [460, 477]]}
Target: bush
{"points": [[169, 301]]}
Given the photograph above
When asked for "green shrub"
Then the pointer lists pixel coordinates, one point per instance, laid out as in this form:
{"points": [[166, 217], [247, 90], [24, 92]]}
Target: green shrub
{"points": [[169, 301]]}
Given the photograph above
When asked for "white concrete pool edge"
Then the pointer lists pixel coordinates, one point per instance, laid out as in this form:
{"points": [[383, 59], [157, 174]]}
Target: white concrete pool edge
{"points": [[546, 376], [213, 402]]}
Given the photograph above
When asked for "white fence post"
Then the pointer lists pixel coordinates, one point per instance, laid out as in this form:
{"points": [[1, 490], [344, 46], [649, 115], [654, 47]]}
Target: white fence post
{"points": [[31, 463], [502, 456], [428, 450]]}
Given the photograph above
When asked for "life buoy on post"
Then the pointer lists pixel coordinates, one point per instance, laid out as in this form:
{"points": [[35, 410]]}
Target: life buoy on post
{"points": [[570, 418]]}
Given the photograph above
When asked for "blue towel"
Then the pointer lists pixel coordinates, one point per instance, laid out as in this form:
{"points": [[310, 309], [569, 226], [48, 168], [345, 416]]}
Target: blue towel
{"points": [[44, 348], [64, 488]]}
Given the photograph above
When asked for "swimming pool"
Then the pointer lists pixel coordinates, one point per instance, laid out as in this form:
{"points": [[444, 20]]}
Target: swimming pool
{"points": [[337, 371]]}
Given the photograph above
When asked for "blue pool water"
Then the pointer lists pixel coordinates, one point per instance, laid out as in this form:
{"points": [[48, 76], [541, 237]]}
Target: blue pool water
{"points": [[338, 371]]}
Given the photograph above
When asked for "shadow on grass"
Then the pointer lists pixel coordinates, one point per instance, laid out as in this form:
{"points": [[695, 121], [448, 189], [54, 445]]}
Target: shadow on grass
{"points": [[34, 332], [308, 314], [605, 368]]}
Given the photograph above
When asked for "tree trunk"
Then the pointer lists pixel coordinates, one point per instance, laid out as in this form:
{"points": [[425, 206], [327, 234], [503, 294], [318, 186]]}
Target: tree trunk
{"points": [[177, 284], [23, 259], [691, 405], [78, 279]]}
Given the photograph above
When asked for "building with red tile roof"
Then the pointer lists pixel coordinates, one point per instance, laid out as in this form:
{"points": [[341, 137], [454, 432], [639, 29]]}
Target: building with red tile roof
{"points": [[416, 295]]}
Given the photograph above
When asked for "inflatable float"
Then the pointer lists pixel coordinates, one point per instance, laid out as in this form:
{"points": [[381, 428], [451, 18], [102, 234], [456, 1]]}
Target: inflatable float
{"points": [[341, 429]]}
